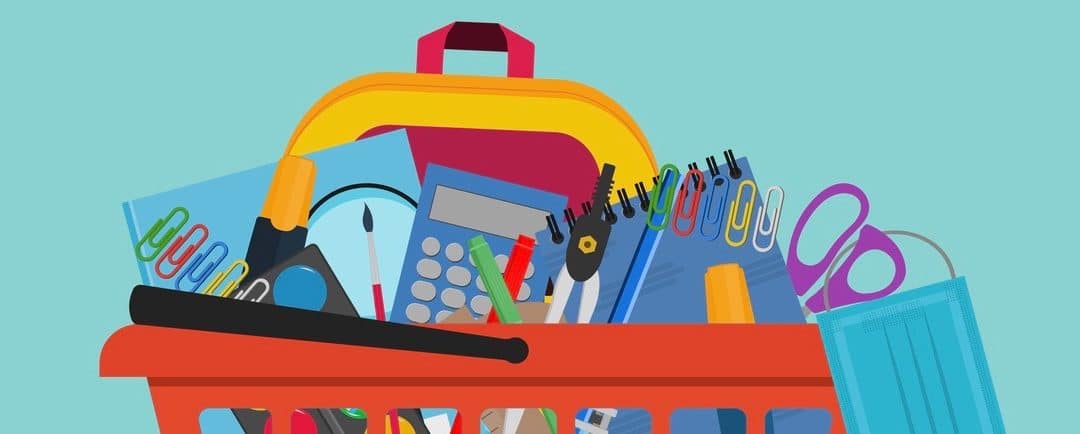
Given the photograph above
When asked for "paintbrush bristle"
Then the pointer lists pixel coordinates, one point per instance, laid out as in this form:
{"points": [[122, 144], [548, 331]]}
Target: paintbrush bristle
{"points": [[369, 224]]}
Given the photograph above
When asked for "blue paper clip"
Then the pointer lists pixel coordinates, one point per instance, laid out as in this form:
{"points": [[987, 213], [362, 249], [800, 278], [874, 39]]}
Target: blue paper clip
{"points": [[719, 194], [733, 222], [663, 194], [190, 275], [160, 243]]}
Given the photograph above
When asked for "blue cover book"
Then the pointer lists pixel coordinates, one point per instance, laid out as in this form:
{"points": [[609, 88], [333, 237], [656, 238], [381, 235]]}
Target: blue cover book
{"points": [[376, 171]]}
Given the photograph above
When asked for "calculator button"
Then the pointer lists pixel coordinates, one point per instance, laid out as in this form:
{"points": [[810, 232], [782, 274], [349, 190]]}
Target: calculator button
{"points": [[459, 276], [418, 313], [428, 269], [454, 252], [529, 271], [502, 260], [430, 246], [441, 316], [480, 304], [423, 290], [480, 285], [453, 297], [523, 292]]}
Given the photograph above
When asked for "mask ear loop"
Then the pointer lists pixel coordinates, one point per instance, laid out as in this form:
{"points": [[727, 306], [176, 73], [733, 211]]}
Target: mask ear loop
{"points": [[847, 248]]}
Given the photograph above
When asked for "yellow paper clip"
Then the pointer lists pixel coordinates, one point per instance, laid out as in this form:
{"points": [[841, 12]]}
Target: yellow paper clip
{"points": [[759, 227], [744, 225], [211, 288]]}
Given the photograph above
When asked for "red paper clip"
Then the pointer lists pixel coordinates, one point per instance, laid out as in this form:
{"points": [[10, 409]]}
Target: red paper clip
{"points": [[169, 254], [698, 178]]}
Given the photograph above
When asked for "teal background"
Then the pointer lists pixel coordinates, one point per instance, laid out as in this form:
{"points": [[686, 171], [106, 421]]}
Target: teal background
{"points": [[956, 118]]}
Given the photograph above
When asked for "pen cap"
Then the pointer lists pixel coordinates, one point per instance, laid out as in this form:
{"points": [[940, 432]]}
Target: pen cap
{"points": [[727, 298], [290, 193]]}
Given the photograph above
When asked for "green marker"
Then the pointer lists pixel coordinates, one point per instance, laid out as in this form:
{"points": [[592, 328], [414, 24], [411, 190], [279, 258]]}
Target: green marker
{"points": [[493, 280]]}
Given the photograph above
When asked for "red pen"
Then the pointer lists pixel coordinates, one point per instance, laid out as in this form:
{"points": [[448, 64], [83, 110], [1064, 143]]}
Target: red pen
{"points": [[514, 275]]}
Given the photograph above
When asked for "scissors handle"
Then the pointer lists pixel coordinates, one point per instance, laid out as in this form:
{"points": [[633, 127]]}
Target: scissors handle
{"points": [[170, 308]]}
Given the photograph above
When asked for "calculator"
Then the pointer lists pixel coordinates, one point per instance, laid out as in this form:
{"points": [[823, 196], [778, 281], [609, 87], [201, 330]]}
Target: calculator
{"points": [[438, 276]]}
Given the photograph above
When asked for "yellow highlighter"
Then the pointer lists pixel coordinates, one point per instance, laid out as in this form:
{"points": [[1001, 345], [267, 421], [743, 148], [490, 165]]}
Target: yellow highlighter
{"points": [[727, 299]]}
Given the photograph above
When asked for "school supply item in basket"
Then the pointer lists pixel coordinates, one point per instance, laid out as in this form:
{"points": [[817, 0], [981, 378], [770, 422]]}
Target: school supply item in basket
{"points": [[303, 281], [594, 420], [584, 253], [516, 269], [646, 247], [376, 293], [377, 170], [805, 276], [912, 361], [561, 128], [280, 230], [454, 207], [373, 261], [489, 273], [774, 222], [727, 300], [169, 308], [674, 283], [328, 421]]}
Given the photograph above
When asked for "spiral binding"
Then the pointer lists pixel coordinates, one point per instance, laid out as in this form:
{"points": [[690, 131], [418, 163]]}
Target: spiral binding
{"points": [[644, 200]]}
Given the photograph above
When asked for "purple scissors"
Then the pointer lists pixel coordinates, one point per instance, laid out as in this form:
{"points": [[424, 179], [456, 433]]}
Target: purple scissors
{"points": [[806, 276]]}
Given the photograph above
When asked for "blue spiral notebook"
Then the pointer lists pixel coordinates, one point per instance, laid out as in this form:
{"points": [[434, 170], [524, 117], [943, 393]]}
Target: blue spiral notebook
{"points": [[673, 290]]}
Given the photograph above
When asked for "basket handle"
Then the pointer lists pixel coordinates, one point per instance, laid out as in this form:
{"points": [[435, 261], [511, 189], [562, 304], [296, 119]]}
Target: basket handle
{"points": [[461, 35]]}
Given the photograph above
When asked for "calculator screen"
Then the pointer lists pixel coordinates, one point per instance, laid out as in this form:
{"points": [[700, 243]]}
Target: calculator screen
{"points": [[485, 214]]}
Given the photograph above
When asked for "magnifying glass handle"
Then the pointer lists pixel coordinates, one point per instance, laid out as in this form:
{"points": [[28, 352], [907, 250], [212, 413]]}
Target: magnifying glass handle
{"points": [[179, 309]]}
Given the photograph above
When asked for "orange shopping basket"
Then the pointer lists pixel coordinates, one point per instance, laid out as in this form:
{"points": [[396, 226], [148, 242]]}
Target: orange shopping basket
{"points": [[660, 368]]}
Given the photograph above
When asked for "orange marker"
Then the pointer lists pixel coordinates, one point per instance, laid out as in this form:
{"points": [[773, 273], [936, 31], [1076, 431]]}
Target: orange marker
{"points": [[727, 298]]}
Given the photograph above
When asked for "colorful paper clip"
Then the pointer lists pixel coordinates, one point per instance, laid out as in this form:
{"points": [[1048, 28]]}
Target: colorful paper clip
{"points": [[211, 288], [159, 243], [265, 290], [662, 198], [719, 194], [698, 178], [744, 225], [190, 275], [170, 253], [759, 227]]}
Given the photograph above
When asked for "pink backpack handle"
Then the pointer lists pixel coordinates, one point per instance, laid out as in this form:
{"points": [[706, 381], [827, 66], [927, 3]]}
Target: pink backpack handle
{"points": [[520, 52]]}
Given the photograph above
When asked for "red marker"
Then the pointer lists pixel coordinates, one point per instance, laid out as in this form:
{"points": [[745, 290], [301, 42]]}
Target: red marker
{"points": [[514, 275]]}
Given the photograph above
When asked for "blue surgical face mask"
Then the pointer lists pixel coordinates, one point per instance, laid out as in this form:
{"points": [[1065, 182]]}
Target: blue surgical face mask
{"points": [[912, 362]]}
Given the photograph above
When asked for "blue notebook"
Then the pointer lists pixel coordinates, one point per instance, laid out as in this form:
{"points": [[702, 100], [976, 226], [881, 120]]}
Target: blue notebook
{"points": [[673, 290], [377, 171]]}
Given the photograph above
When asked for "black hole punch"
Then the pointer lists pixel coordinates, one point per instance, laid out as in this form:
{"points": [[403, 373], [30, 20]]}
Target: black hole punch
{"points": [[586, 208], [733, 166], [642, 196], [571, 219], [553, 227], [624, 201]]}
